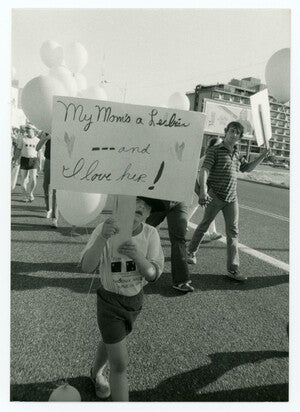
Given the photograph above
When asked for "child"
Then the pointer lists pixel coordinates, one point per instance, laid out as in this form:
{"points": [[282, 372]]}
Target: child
{"points": [[120, 296]]}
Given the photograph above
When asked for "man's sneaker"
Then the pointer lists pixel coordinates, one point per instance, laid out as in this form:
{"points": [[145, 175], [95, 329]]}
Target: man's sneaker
{"points": [[236, 275], [48, 214], [54, 222], [215, 236], [31, 197], [101, 384], [184, 287], [191, 258]]}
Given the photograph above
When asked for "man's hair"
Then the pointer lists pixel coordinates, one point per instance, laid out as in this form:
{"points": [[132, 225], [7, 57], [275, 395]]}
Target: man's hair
{"points": [[237, 126], [212, 141]]}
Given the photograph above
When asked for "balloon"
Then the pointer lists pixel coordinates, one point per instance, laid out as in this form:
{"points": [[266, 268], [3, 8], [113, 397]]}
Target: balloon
{"points": [[81, 82], [277, 75], [36, 100], [76, 57], [51, 53], [179, 101], [80, 208], [95, 92], [65, 393], [64, 75]]}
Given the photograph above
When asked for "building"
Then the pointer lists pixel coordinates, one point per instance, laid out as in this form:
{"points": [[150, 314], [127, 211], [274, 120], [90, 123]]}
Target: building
{"points": [[227, 102]]}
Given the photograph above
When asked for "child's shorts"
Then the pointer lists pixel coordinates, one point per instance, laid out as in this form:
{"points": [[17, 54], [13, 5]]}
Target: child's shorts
{"points": [[116, 314], [28, 163]]}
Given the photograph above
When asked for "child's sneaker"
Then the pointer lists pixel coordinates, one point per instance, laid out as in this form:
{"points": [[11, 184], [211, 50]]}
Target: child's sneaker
{"points": [[236, 275], [191, 258], [101, 384], [184, 287]]}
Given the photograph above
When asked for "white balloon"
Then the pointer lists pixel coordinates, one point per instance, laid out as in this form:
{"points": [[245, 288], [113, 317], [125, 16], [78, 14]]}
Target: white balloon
{"points": [[65, 393], [179, 101], [277, 75], [65, 76], [36, 100], [95, 92], [76, 57], [81, 81], [51, 53], [79, 208]]}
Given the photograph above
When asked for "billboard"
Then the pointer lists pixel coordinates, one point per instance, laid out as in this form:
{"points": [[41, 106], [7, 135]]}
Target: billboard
{"points": [[219, 114]]}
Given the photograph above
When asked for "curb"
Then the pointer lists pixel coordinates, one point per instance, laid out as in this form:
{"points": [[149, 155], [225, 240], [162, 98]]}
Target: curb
{"points": [[265, 183]]}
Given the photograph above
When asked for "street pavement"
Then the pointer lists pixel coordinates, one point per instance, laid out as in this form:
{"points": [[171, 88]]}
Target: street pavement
{"points": [[225, 342]]}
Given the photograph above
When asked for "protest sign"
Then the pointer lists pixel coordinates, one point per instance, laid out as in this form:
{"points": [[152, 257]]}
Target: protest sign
{"points": [[117, 148], [261, 117]]}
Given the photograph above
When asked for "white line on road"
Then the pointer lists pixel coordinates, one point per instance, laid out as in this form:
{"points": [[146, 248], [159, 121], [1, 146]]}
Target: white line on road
{"points": [[262, 256], [263, 212]]}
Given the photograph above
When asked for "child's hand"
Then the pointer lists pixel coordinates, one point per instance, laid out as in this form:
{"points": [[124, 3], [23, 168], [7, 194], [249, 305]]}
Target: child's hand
{"points": [[129, 249], [109, 229]]}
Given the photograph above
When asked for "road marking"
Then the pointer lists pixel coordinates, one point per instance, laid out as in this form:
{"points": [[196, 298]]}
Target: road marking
{"points": [[262, 256], [263, 212]]}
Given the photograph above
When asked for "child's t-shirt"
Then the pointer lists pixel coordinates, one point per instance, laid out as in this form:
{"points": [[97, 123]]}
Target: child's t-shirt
{"points": [[120, 275]]}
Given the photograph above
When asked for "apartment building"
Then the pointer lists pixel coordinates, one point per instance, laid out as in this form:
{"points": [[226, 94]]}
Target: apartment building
{"points": [[223, 103]]}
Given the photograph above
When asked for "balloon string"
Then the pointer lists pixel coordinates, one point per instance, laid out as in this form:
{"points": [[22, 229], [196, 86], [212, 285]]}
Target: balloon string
{"points": [[69, 365]]}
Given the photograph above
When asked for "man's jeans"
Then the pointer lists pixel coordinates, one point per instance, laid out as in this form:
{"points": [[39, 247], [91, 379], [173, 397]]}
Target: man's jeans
{"points": [[177, 225], [230, 212]]}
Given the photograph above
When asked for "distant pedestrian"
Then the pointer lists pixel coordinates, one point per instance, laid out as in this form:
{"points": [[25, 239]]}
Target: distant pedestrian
{"points": [[27, 154], [50, 195], [211, 233], [218, 184], [120, 296]]}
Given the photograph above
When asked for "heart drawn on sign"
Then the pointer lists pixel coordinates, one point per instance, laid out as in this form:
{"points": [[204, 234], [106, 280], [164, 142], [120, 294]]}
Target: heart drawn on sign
{"points": [[179, 148], [69, 142]]}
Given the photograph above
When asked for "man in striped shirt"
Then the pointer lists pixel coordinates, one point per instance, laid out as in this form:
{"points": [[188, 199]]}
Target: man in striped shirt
{"points": [[218, 184]]}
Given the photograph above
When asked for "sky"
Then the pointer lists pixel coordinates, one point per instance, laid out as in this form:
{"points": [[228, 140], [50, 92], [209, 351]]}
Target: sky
{"points": [[148, 54]]}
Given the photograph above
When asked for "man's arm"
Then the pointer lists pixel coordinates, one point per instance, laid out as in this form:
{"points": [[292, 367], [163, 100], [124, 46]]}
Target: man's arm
{"points": [[203, 196], [248, 167]]}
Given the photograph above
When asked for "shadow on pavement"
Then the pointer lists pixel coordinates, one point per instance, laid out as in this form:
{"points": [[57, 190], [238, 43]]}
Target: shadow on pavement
{"points": [[23, 227], [185, 386], [182, 387], [75, 284], [210, 282], [21, 281], [41, 391]]}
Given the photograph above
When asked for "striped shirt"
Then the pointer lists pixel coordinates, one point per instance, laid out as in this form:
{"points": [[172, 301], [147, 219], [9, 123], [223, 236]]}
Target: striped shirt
{"points": [[223, 166]]}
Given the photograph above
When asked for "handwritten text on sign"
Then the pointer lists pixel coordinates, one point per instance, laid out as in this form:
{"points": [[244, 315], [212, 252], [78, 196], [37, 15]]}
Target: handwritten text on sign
{"points": [[116, 148]]}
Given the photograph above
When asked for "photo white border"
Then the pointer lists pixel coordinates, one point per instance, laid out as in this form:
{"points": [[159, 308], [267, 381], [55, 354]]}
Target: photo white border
{"points": [[5, 30]]}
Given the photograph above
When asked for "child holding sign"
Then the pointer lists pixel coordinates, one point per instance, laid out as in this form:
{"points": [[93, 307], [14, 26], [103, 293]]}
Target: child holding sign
{"points": [[120, 296]]}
